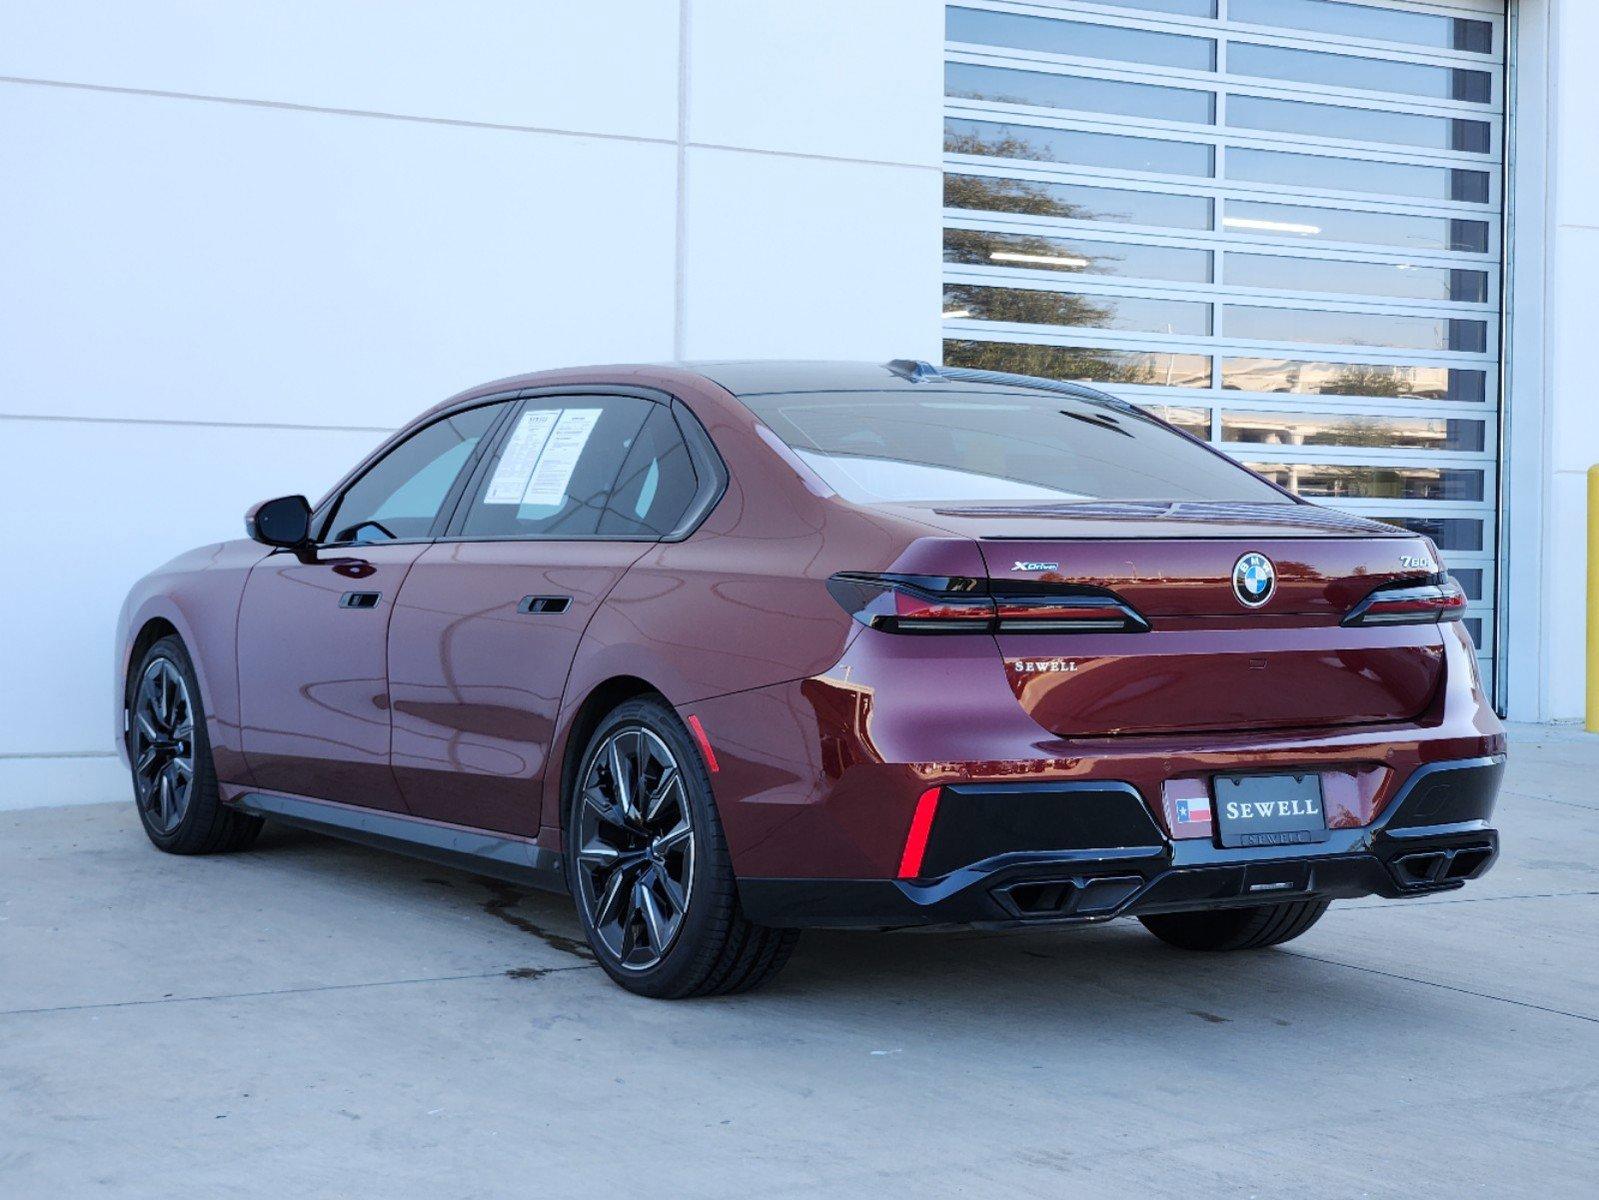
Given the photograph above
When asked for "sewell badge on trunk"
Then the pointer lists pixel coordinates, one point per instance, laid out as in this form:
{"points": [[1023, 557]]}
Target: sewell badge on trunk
{"points": [[1269, 810]]}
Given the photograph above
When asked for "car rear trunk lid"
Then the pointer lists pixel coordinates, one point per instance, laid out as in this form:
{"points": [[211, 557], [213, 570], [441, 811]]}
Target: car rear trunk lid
{"points": [[1209, 661]]}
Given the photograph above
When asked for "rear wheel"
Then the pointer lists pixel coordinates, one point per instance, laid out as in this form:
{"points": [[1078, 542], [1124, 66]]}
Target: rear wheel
{"points": [[1236, 928], [174, 783], [648, 865]]}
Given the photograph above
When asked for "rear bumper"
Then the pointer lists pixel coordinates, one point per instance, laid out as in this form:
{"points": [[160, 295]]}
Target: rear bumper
{"points": [[1434, 837]]}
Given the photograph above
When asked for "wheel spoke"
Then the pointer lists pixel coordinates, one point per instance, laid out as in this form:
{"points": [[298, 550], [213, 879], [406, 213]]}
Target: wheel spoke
{"points": [[621, 779], [674, 837], [147, 760], [608, 813], [630, 928], [654, 921], [604, 908], [597, 853], [675, 895], [664, 788], [149, 700]]}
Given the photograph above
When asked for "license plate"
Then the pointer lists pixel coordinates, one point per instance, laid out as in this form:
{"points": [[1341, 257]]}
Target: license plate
{"points": [[1269, 810]]}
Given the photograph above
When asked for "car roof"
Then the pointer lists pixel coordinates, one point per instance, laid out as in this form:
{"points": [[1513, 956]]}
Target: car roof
{"points": [[775, 377]]}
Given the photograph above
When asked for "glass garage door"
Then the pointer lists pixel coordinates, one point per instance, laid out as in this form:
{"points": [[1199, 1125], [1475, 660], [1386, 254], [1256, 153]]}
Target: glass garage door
{"points": [[1275, 222]]}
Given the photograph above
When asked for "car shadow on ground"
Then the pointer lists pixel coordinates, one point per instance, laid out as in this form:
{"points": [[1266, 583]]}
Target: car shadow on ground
{"points": [[1103, 979]]}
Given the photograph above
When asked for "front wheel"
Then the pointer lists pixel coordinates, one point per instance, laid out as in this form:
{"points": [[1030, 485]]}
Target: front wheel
{"points": [[1236, 928], [648, 865], [174, 783]]}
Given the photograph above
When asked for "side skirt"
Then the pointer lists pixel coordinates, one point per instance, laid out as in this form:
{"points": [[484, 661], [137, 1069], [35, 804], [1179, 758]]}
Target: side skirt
{"points": [[514, 859]]}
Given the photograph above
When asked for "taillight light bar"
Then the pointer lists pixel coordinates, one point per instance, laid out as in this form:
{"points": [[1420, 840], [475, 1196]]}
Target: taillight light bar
{"points": [[1411, 602], [956, 604], [1087, 613]]}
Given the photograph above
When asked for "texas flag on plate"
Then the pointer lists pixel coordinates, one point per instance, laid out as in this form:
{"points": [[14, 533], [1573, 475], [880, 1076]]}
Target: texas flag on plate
{"points": [[1186, 800]]}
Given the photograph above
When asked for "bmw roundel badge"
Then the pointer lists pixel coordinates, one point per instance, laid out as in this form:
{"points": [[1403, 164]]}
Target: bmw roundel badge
{"points": [[1254, 580]]}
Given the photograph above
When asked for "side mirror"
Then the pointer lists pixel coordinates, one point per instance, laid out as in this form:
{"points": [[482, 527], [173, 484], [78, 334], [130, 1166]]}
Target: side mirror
{"points": [[284, 523]]}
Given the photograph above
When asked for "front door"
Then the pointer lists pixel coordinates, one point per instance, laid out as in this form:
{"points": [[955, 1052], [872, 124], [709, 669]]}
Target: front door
{"points": [[313, 627], [489, 619], [312, 672]]}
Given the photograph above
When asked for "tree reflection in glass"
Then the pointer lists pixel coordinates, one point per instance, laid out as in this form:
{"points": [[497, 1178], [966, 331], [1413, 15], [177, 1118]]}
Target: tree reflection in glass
{"points": [[1087, 363]]}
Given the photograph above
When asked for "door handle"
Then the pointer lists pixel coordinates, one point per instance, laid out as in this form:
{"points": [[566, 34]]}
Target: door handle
{"points": [[359, 599], [543, 604]]}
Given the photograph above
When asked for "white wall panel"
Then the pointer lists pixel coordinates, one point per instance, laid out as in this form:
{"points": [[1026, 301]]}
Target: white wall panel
{"points": [[1571, 414], [174, 259], [90, 508], [52, 781], [1576, 174], [1565, 620], [1575, 414], [834, 77], [598, 66], [201, 261], [805, 258]]}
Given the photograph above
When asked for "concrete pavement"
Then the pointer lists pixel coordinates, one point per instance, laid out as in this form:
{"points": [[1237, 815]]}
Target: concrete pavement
{"points": [[320, 1020]]}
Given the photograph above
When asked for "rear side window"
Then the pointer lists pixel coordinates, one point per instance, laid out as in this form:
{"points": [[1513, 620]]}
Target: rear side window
{"points": [[657, 483], [959, 447], [555, 467]]}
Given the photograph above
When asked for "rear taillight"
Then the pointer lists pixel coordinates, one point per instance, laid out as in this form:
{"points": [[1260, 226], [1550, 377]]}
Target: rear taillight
{"points": [[1411, 602], [954, 604], [1084, 612]]}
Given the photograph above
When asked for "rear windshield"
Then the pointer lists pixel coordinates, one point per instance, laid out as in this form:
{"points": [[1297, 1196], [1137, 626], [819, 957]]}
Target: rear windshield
{"points": [[959, 447]]}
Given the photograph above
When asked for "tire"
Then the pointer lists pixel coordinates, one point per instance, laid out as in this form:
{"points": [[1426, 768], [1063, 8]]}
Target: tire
{"points": [[627, 865], [181, 816], [1236, 928]]}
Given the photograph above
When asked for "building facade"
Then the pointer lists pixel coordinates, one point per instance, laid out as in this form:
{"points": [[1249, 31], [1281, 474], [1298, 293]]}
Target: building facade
{"points": [[1347, 242]]}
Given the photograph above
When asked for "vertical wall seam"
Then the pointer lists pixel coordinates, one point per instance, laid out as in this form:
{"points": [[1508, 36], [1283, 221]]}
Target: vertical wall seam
{"points": [[1547, 346], [680, 249]]}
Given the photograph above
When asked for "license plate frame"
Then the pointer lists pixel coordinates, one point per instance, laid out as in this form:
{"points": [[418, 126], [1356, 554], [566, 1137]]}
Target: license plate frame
{"points": [[1276, 809]]}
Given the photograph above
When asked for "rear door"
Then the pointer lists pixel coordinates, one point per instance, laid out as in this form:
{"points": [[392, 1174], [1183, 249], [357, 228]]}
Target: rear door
{"points": [[490, 617], [313, 629]]}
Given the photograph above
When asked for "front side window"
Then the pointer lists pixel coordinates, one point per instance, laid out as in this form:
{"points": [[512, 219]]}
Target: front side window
{"points": [[556, 467], [399, 498], [955, 447]]}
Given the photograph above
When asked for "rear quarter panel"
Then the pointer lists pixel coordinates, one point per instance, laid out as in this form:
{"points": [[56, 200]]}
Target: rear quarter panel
{"points": [[743, 603]]}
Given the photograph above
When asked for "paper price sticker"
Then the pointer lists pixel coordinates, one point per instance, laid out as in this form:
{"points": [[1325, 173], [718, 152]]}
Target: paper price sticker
{"points": [[537, 465]]}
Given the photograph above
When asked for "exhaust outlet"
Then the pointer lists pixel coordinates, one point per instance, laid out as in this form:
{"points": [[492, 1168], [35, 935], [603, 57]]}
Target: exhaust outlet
{"points": [[1420, 870], [1435, 868], [1466, 863]]}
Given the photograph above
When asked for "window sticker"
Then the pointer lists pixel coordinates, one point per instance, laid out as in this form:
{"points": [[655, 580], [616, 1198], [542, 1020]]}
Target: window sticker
{"points": [[521, 455], [552, 474], [541, 456]]}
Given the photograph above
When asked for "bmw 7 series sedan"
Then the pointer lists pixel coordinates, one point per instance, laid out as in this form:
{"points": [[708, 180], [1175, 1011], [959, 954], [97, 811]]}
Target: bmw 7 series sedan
{"points": [[731, 650]]}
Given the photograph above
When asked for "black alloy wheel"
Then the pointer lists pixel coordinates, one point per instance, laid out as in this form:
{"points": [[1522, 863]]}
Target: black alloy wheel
{"points": [[635, 847], [648, 862]]}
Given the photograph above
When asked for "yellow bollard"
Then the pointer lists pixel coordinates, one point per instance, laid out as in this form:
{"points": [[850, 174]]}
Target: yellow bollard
{"points": [[1593, 599]]}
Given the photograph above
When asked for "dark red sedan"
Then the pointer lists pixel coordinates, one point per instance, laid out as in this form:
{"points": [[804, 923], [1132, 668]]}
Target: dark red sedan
{"points": [[736, 649]]}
